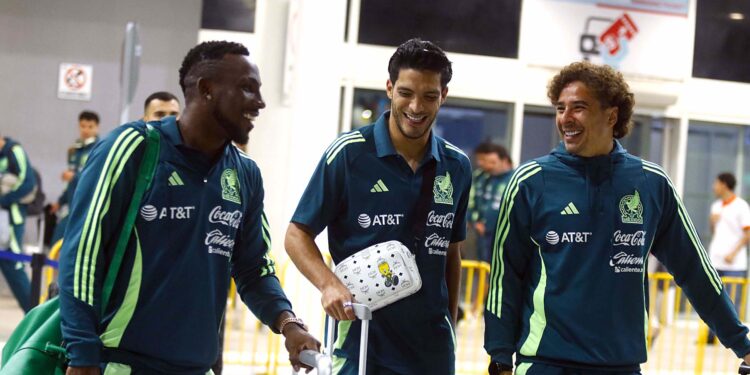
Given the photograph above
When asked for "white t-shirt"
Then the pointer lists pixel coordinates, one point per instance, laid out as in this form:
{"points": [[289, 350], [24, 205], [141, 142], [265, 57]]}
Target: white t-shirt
{"points": [[734, 218]]}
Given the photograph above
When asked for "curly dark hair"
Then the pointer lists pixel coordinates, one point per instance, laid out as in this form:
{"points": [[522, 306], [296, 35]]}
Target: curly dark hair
{"points": [[420, 54], [202, 56], [606, 84]]}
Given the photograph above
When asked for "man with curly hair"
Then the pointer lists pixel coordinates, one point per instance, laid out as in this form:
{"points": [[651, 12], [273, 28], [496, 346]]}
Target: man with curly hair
{"points": [[200, 222], [568, 282]]}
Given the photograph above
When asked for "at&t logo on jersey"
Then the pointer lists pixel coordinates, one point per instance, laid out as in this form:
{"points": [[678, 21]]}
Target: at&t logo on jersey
{"points": [[570, 237], [151, 213], [552, 238], [365, 221]]}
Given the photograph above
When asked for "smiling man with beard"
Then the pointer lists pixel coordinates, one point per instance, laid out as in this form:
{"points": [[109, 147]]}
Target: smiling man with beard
{"points": [[200, 222], [568, 282], [365, 190]]}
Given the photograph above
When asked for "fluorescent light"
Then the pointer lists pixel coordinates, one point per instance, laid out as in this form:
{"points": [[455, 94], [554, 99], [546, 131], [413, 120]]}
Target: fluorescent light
{"points": [[736, 16], [366, 114]]}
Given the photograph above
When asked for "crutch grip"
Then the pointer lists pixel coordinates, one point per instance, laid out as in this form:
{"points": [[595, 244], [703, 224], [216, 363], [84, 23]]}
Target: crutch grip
{"points": [[362, 312], [319, 361]]}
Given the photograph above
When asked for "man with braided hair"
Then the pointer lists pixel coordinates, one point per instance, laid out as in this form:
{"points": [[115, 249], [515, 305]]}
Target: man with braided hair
{"points": [[568, 282], [200, 222]]}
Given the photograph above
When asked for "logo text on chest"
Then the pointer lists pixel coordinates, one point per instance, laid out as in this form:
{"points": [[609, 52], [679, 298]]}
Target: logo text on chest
{"points": [[440, 221], [629, 239], [151, 213], [365, 221], [228, 218]]}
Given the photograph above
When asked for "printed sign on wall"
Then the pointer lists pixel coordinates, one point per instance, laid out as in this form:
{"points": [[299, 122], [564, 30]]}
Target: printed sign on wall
{"points": [[625, 34], [74, 81]]}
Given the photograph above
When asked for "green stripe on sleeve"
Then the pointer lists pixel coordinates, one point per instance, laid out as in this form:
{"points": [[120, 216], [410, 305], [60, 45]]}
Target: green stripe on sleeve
{"points": [[538, 319], [113, 333], [341, 147], [503, 226], [340, 139], [23, 165], [88, 234], [690, 230], [523, 368], [108, 200]]}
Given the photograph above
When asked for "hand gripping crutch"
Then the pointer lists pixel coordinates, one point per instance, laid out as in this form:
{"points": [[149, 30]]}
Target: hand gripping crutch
{"points": [[323, 363]]}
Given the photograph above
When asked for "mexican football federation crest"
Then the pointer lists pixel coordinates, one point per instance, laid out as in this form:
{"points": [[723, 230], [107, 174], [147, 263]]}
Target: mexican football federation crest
{"points": [[631, 209], [443, 189], [230, 186]]}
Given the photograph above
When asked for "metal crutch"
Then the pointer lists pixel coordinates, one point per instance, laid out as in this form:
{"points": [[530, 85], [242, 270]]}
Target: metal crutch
{"points": [[323, 363]]}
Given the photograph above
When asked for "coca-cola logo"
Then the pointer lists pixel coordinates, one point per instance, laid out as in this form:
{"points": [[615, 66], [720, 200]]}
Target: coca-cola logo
{"points": [[441, 221], [217, 238], [629, 239], [230, 219], [436, 241]]}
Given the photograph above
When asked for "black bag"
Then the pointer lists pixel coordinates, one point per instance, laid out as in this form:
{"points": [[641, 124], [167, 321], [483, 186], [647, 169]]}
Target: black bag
{"points": [[36, 207]]}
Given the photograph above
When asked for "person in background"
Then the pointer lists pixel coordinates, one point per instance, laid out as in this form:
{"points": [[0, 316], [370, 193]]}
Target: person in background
{"points": [[78, 153], [18, 184], [730, 224], [159, 105], [496, 167]]}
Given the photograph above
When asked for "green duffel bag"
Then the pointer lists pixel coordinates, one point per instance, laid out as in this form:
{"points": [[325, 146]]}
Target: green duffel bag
{"points": [[36, 345]]}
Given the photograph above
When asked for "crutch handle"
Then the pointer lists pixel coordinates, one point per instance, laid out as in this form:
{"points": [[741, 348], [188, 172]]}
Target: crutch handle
{"points": [[362, 312], [744, 368], [319, 361]]}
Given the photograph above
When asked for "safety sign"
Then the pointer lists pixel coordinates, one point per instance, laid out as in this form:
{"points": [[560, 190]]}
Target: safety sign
{"points": [[74, 81]]}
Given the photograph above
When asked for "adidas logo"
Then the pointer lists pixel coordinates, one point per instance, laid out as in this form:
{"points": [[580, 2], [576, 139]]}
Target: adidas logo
{"points": [[175, 180], [570, 209], [379, 187]]}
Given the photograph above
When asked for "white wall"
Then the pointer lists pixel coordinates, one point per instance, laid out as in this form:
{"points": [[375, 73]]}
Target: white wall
{"points": [[36, 36]]}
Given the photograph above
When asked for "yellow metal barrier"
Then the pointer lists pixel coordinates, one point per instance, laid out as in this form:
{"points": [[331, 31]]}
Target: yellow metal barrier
{"points": [[266, 353], [50, 274], [677, 338], [470, 355]]}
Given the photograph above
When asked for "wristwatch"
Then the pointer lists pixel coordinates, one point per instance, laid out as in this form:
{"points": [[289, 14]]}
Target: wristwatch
{"points": [[496, 368], [294, 320]]}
